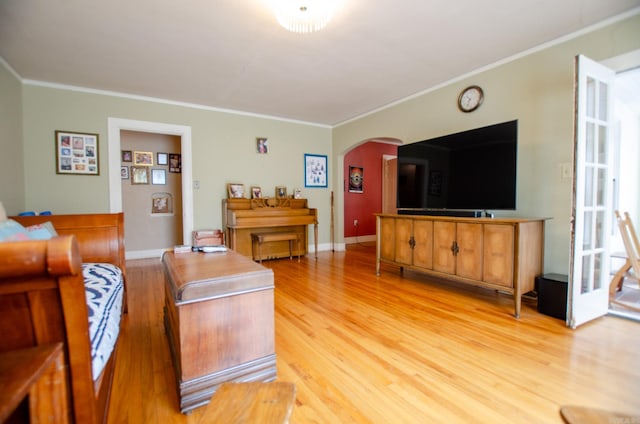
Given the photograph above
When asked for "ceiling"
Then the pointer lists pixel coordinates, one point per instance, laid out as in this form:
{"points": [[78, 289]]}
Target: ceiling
{"points": [[233, 55]]}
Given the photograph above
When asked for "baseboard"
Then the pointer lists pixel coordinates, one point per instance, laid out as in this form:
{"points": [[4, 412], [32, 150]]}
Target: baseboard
{"points": [[360, 239], [144, 254]]}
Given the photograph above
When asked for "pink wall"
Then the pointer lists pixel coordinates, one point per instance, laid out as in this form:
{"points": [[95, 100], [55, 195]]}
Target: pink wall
{"points": [[362, 206]]}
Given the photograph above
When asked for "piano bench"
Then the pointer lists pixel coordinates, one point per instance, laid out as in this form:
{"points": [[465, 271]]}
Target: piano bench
{"points": [[258, 238]]}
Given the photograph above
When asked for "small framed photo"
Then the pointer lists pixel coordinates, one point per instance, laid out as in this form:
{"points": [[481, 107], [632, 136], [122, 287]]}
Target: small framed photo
{"points": [[143, 158], [281, 192], [158, 176], [139, 175], [297, 193], [76, 153], [256, 193], [161, 203], [127, 156], [163, 158], [175, 163], [315, 170], [235, 191], [124, 172], [262, 145]]}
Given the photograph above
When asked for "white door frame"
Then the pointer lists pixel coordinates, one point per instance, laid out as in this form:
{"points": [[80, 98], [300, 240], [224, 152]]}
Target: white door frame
{"points": [[115, 125]]}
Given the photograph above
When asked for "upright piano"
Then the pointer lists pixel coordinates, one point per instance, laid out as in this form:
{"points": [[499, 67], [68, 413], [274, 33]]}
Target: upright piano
{"points": [[242, 217]]}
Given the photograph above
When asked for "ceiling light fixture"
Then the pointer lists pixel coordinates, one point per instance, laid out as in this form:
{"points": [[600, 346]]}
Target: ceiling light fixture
{"points": [[304, 16]]}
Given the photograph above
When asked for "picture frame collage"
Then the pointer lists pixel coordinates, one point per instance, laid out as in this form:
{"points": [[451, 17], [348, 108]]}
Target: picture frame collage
{"points": [[77, 153], [143, 171]]}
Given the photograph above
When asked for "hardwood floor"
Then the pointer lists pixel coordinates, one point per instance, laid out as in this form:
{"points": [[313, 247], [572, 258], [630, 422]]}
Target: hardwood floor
{"points": [[394, 348]]}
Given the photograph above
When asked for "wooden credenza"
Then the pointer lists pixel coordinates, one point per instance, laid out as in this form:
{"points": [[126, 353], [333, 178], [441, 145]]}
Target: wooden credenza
{"points": [[242, 217], [505, 254], [219, 320]]}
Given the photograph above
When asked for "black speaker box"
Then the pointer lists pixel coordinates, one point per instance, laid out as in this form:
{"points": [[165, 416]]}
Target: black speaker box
{"points": [[552, 295]]}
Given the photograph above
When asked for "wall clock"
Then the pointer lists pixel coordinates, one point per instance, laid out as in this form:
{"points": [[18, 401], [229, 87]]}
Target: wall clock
{"points": [[470, 98]]}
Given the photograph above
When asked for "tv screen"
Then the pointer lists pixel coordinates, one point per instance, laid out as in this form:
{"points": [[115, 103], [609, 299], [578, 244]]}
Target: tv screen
{"points": [[470, 170]]}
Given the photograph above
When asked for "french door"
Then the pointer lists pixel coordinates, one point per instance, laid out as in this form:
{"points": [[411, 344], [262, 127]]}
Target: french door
{"points": [[591, 213]]}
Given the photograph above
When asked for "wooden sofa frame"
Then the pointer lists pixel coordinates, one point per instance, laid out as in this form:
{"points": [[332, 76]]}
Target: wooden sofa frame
{"points": [[42, 299]]}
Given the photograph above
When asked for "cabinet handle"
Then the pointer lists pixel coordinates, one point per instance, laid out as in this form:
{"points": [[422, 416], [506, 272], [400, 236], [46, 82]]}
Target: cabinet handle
{"points": [[454, 248], [412, 242]]}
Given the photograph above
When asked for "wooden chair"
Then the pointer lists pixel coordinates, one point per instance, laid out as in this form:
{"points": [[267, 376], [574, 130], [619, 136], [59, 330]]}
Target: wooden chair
{"points": [[632, 261]]}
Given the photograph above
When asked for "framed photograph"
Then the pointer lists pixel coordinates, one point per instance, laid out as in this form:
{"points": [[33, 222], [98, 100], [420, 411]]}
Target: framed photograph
{"points": [[297, 193], [158, 176], [356, 179], [281, 192], [124, 172], [127, 156], [256, 193], [161, 203], [77, 153], [175, 163], [262, 145], [139, 175], [235, 191], [315, 170], [163, 158], [143, 158]]}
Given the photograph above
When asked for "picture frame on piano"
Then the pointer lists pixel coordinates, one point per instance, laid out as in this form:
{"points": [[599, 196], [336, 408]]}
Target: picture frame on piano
{"points": [[235, 191]]}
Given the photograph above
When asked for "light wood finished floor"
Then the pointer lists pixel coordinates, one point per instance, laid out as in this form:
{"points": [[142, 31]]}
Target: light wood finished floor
{"points": [[394, 349]]}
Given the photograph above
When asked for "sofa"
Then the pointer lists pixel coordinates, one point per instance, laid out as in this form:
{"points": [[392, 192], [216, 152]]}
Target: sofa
{"points": [[63, 279]]}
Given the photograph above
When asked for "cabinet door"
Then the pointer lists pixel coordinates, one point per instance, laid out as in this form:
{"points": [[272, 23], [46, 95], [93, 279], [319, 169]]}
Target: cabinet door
{"points": [[444, 234], [404, 231], [498, 254], [469, 258], [387, 238], [423, 250]]}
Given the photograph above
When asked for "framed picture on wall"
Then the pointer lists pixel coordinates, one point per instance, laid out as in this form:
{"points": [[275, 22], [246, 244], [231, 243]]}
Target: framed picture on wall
{"points": [[163, 158], [315, 170], [76, 153], [127, 156], [158, 176], [161, 203], [139, 175], [262, 145], [124, 172], [175, 163], [356, 179], [143, 158]]}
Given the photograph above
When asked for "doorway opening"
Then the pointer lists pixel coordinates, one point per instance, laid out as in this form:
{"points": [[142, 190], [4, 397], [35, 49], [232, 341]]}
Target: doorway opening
{"points": [[626, 190], [115, 127]]}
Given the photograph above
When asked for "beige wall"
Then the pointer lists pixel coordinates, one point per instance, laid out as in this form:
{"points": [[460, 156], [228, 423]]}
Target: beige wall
{"points": [[223, 148], [536, 89], [11, 156]]}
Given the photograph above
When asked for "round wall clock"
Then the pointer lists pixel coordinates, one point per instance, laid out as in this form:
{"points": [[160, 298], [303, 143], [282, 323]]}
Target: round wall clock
{"points": [[470, 98]]}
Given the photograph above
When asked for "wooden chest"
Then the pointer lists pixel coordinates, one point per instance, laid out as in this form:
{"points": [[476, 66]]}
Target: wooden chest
{"points": [[219, 318]]}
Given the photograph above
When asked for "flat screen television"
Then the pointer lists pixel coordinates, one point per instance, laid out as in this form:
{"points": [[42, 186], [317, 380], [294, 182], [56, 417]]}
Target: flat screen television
{"points": [[473, 170]]}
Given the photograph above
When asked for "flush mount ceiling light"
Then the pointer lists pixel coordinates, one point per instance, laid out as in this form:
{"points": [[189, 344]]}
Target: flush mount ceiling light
{"points": [[305, 16]]}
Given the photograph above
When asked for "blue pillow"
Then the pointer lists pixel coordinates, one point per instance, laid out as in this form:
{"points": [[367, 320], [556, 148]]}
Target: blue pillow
{"points": [[11, 230], [42, 231]]}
